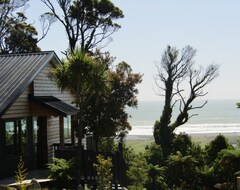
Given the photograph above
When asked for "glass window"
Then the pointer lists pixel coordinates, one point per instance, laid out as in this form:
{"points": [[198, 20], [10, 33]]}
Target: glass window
{"points": [[67, 127], [9, 133], [35, 129], [16, 137], [22, 135]]}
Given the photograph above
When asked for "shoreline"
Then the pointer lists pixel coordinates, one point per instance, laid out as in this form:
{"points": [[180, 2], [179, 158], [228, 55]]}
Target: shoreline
{"points": [[195, 136]]}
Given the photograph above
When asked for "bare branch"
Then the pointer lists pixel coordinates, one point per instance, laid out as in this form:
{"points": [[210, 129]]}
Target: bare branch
{"points": [[46, 19], [193, 115], [176, 101], [198, 107]]}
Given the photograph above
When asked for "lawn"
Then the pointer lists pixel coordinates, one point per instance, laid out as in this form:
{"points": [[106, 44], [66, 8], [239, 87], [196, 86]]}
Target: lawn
{"points": [[139, 145]]}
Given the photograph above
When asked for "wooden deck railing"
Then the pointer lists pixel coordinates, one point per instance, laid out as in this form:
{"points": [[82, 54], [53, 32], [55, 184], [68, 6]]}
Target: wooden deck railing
{"points": [[89, 175]]}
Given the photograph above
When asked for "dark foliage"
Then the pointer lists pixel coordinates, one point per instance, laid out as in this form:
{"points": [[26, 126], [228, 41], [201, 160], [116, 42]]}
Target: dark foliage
{"points": [[215, 146], [87, 23], [16, 36], [105, 115]]}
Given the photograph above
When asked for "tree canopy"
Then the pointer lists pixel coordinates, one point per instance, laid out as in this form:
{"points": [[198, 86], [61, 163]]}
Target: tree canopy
{"points": [[22, 37], [106, 115], [81, 75], [87, 23], [16, 35]]}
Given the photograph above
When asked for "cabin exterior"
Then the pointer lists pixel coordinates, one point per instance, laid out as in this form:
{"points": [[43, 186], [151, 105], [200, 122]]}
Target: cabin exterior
{"points": [[34, 113]]}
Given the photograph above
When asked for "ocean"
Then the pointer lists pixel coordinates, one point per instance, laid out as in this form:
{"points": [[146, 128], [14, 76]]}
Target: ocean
{"points": [[217, 116]]}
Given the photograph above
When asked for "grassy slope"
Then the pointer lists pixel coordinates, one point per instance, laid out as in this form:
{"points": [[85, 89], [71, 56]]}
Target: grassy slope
{"points": [[139, 145]]}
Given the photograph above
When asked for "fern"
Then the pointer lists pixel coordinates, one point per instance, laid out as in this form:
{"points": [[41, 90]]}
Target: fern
{"points": [[21, 174], [61, 171]]}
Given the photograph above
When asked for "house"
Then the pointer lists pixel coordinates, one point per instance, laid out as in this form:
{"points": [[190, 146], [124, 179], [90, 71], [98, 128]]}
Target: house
{"points": [[34, 113]]}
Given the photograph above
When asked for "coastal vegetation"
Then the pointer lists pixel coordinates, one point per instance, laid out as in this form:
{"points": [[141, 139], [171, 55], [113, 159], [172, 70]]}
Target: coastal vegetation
{"points": [[102, 91], [189, 165]]}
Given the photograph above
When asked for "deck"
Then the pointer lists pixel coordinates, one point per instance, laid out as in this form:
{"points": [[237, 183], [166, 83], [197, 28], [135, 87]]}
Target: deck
{"points": [[40, 175]]}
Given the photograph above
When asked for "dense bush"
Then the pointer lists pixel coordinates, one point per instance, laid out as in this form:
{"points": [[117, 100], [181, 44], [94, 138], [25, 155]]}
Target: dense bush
{"points": [[215, 146], [137, 172], [181, 143], [104, 172], [154, 155], [188, 167], [61, 171], [227, 167]]}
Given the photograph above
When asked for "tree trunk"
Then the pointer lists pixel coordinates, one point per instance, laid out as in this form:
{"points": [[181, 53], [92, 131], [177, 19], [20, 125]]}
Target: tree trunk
{"points": [[79, 147], [162, 131]]}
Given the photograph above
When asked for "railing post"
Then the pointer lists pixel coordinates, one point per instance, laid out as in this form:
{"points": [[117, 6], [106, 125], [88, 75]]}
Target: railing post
{"points": [[238, 183]]}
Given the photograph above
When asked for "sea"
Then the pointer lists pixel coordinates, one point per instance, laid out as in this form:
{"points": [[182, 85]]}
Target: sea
{"points": [[216, 117]]}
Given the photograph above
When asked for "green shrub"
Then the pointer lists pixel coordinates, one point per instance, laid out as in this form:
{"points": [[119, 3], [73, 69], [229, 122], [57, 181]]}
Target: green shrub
{"points": [[181, 170], [137, 172], [154, 155], [215, 146], [5, 187], [226, 166], [104, 167], [61, 171], [181, 142]]}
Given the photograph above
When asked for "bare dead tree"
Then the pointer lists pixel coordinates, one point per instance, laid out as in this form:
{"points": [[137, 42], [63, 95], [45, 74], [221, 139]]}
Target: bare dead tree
{"points": [[174, 70], [198, 79]]}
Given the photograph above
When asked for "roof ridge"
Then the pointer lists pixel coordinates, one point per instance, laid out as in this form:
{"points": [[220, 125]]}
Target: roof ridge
{"points": [[27, 53]]}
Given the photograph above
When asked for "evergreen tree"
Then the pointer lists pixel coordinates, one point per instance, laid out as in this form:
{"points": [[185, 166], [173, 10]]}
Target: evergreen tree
{"points": [[87, 23]]}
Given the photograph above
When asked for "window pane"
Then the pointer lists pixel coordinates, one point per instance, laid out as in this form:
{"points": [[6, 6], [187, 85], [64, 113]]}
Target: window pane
{"points": [[10, 138], [67, 126], [35, 129], [23, 135], [9, 133], [16, 137]]}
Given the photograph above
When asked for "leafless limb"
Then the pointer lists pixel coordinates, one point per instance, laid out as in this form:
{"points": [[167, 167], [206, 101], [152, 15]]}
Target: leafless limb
{"points": [[174, 69], [198, 79], [46, 19], [193, 115]]}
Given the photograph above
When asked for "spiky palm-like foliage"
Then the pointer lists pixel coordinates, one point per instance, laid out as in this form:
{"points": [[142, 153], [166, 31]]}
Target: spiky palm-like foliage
{"points": [[81, 75]]}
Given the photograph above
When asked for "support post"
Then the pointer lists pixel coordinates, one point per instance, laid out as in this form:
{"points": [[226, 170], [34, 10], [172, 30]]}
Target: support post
{"points": [[61, 131]]}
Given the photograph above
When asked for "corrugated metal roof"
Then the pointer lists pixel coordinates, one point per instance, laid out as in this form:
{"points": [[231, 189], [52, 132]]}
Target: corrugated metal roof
{"points": [[17, 71]]}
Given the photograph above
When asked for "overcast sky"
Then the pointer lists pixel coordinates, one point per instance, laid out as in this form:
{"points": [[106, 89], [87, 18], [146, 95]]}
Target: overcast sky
{"points": [[210, 26]]}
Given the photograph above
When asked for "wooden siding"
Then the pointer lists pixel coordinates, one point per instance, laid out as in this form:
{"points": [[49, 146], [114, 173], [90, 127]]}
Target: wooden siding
{"points": [[53, 135], [39, 110], [20, 108], [44, 86]]}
